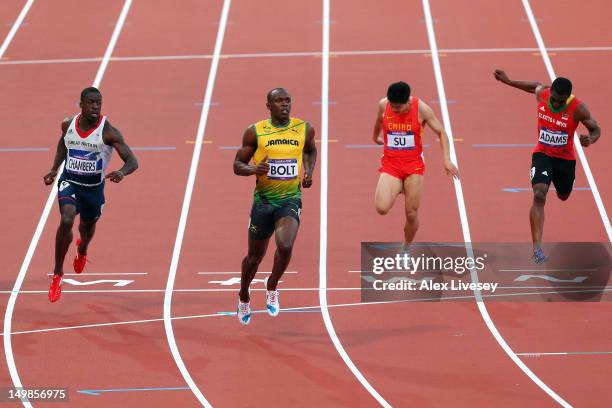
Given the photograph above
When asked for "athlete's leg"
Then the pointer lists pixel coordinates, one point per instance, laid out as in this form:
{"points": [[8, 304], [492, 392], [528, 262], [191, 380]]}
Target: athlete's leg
{"points": [[286, 232], [413, 185], [63, 236], [536, 213], [387, 190], [250, 263], [87, 229], [564, 176]]}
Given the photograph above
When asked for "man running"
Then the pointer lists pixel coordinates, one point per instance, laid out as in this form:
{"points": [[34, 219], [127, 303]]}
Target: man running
{"points": [[554, 157], [402, 119], [278, 146], [85, 148]]}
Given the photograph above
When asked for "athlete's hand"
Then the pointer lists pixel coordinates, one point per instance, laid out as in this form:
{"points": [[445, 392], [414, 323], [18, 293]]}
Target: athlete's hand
{"points": [[379, 140], [49, 178], [262, 167], [451, 169], [501, 76], [115, 176], [307, 180], [585, 140]]}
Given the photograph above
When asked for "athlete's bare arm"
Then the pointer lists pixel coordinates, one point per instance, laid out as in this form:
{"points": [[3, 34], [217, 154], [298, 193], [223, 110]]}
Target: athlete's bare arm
{"points": [[427, 116], [113, 137], [245, 154], [583, 115], [60, 154], [377, 137], [309, 156], [527, 86]]}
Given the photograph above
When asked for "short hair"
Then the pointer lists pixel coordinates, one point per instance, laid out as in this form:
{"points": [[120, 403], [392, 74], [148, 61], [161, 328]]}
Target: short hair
{"points": [[89, 90], [273, 91], [398, 92], [562, 86]]}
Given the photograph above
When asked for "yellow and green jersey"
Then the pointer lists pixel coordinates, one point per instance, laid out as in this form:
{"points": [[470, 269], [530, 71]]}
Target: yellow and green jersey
{"points": [[283, 146]]}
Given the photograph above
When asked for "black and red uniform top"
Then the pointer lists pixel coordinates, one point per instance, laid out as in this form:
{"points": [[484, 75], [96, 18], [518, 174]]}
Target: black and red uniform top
{"points": [[556, 127]]}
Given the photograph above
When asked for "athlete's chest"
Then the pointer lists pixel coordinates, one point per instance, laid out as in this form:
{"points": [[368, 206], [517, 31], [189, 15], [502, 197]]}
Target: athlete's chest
{"points": [[287, 142], [555, 120]]}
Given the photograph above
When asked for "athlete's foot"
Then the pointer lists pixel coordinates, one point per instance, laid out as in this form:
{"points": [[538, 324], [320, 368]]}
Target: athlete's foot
{"points": [[272, 303], [538, 256], [79, 260], [55, 290], [244, 312]]}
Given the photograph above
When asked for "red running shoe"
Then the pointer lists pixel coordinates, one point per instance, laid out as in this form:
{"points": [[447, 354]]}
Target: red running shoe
{"points": [[79, 260], [55, 291]]}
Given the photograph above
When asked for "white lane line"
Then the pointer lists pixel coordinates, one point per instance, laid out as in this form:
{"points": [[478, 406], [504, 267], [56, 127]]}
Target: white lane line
{"points": [[552, 290], [178, 243], [238, 273], [550, 270], [566, 353], [583, 160], [303, 54], [323, 206], [102, 274], [341, 305], [8, 348], [18, 22], [463, 214]]}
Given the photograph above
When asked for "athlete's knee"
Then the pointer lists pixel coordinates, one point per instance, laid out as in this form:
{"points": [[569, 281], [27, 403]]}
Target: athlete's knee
{"points": [[253, 260], [284, 248], [539, 196], [564, 196], [382, 208], [411, 214], [67, 221]]}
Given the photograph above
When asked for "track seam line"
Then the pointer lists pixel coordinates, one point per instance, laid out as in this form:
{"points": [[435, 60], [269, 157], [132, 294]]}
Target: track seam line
{"points": [[300, 54], [8, 348], [178, 243], [583, 160], [463, 213], [323, 206]]}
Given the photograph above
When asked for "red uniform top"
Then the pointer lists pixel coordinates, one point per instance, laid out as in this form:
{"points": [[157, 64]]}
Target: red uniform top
{"points": [[556, 129], [403, 133]]}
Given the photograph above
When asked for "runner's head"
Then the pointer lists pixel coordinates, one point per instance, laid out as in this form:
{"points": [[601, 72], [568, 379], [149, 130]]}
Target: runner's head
{"points": [[398, 95], [91, 103], [560, 91], [279, 104]]}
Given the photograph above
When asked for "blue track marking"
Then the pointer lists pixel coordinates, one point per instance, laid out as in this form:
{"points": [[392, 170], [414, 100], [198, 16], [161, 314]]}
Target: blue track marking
{"points": [[282, 310], [23, 149], [154, 148], [519, 189], [502, 145], [98, 392], [369, 146]]}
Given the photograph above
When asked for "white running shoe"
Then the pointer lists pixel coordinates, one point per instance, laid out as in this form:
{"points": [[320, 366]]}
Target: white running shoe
{"points": [[244, 312], [272, 303]]}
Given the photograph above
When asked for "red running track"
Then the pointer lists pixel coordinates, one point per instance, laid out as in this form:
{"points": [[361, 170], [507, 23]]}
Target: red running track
{"points": [[416, 354]]}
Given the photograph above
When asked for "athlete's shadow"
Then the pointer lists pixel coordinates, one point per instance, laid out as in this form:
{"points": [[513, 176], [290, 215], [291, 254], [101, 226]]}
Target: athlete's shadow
{"points": [[578, 271]]}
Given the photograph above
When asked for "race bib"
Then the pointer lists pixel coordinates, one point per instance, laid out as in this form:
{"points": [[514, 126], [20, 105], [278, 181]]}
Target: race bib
{"points": [[81, 166], [283, 169], [553, 138], [400, 141]]}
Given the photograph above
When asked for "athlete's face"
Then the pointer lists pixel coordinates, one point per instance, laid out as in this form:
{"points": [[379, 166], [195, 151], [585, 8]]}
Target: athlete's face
{"points": [[557, 100], [91, 106], [280, 105], [398, 107]]}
